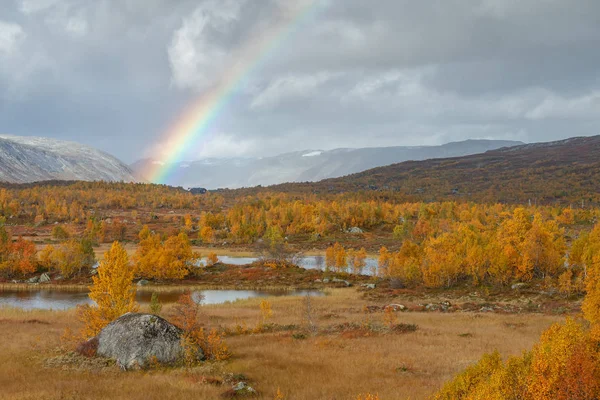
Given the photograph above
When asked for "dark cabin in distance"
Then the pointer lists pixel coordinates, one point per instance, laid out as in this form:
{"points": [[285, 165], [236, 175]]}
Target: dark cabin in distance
{"points": [[198, 190]]}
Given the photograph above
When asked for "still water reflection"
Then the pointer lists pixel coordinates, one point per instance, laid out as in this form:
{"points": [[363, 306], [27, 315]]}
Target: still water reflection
{"points": [[62, 300]]}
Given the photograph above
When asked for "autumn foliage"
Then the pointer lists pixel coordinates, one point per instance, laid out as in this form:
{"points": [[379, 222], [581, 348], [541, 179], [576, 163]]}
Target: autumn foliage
{"points": [[187, 315], [163, 259], [69, 258], [17, 258], [481, 248], [564, 365], [112, 291]]}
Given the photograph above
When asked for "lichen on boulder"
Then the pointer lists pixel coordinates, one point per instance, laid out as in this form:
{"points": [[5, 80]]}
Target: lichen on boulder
{"points": [[137, 340]]}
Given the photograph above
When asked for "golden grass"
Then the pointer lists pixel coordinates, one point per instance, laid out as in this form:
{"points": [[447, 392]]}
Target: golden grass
{"points": [[396, 366]]}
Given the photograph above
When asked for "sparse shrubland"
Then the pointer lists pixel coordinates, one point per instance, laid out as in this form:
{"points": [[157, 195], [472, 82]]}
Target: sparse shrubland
{"points": [[448, 274]]}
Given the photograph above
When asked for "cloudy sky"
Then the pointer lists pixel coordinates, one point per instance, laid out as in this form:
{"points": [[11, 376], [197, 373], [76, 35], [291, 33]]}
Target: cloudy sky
{"points": [[116, 74]]}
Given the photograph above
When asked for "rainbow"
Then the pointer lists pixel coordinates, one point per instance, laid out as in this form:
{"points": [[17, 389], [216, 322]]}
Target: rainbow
{"points": [[195, 122]]}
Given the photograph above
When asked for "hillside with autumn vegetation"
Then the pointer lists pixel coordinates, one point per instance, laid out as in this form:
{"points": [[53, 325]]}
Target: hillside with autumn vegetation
{"points": [[436, 244], [562, 172], [458, 267]]}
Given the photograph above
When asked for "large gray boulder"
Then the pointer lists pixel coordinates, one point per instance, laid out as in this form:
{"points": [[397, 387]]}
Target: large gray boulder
{"points": [[134, 340]]}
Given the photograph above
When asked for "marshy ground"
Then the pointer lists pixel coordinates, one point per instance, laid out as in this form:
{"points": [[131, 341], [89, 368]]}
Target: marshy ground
{"points": [[345, 351]]}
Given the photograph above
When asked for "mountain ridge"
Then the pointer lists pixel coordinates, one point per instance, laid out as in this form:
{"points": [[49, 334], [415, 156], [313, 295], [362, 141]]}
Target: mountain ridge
{"points": [[561, 171], [306, 165], [33, 159]]}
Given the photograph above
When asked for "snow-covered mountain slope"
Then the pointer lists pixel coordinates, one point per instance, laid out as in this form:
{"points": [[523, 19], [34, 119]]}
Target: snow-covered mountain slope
{"points": [[32, 159], [308, 165]]}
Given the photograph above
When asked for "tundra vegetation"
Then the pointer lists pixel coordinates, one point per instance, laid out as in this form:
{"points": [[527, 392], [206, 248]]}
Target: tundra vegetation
{"points": [[454, 279]]}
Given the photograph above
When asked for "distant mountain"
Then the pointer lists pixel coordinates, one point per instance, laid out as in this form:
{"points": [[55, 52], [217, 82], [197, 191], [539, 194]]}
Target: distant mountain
{"points": [[32, 159], [308, 165], [560, 172]]}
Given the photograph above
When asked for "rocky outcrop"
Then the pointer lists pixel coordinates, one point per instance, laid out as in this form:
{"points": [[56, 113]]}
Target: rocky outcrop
{"points": [[134, 340], [44, 278]]}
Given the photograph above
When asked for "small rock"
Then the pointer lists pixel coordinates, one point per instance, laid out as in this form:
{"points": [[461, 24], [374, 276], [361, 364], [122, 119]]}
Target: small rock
{"points": [[243, 388], [318, 281], [44, 278], [368, 285], [142, 282], [431, 307], [59, 278], [486, 309], [35, 279], [355, 230], [395, 307], [326, 280], [518, 286]]}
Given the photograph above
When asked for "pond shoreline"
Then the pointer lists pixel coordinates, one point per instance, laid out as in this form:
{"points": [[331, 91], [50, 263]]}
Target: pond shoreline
{"points": [[219, 276], [61, 299], [33, 287]]}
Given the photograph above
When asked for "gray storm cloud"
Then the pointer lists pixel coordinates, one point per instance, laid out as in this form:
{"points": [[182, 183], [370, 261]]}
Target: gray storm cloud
{"points": [[117, 74]]}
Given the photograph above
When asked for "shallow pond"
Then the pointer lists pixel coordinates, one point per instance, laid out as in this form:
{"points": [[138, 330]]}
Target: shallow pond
{"points": [[308, 262], [62, 300]]}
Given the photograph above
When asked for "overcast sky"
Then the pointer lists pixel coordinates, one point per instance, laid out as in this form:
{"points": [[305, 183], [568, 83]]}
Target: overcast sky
{"points": [[116, 74]]}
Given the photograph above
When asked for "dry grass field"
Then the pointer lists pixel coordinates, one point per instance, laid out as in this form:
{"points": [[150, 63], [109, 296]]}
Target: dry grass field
{"points": [[336, 363]]}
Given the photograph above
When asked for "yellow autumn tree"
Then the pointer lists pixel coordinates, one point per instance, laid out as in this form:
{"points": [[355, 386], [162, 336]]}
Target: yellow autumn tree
{"points": [[212, 259], [555, 361], [505, 250], [542, 250], [330, 257], [591, 302], [188, 222], [112, 291], [406, 263], [383, 262], [207, 234], [360, 261], [171, 259], [341, 261], [69, 258], [441, 263]]}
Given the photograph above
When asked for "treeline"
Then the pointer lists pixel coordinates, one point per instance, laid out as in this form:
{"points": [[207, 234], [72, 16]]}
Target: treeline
{"points": [[249, 220], [80, 201], [435, 244], [231, 209], [157, 257]]}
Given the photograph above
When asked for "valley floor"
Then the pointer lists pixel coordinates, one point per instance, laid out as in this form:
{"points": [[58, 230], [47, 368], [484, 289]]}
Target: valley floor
{"points": [[350, 355]]}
